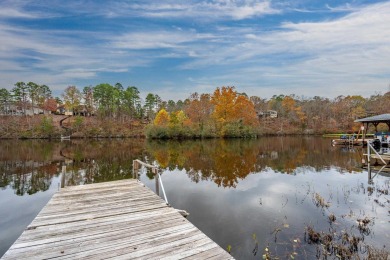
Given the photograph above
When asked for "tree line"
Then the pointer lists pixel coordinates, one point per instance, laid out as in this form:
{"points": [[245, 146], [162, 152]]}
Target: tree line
{"points": [[228, 113], [27, 96], [225, 112]]}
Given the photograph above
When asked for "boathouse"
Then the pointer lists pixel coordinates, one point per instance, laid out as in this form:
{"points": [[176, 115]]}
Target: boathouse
{"points": [[383, 139], [375, 120]]}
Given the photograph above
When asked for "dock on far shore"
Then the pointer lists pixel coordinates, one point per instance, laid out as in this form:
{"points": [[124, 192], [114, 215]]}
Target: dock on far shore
{"points": [[118, 219]]}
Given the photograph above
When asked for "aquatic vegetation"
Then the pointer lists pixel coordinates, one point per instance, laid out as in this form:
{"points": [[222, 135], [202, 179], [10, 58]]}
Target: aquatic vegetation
{"points": [[320, 201], [229, 248], [332, 218]]}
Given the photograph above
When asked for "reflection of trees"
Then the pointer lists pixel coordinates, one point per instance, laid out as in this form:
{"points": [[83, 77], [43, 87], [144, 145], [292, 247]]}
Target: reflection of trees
{"points": [[28, 166], [227, 161], [223, 161], [27, 177], [31, 183], [102, 160]]}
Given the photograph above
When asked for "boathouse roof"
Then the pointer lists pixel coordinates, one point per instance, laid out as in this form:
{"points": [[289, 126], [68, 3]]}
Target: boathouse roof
{"points": [[384, 118]]}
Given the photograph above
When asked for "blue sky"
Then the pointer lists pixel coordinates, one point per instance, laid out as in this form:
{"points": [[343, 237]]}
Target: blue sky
{"points": [[174, 48]]}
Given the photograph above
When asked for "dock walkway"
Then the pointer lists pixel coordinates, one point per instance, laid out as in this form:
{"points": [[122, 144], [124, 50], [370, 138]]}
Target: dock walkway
{"points": [[119, 219]]}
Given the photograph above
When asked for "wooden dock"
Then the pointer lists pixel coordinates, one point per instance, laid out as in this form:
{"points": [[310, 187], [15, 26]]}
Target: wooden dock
{"points": [[119, 219]]}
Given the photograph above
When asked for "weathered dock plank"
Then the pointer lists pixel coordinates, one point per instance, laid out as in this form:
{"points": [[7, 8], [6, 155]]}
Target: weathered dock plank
{"points": [[120, 220]]}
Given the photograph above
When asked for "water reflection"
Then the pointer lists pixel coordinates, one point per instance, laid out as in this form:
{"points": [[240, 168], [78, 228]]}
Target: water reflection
{"points": [[248, 194], [27, 167], [227, 161]]}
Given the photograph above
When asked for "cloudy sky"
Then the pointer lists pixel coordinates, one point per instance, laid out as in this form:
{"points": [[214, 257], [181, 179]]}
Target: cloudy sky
{"points": [[175, 47]]}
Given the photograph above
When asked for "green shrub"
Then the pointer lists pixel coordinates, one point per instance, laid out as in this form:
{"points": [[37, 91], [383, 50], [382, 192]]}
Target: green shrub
{"points": [[78, 123], [47, 127], [157, 132]]}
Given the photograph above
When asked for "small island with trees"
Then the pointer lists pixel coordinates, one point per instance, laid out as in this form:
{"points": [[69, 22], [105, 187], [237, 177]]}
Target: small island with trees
{"points": [[29, 110]]}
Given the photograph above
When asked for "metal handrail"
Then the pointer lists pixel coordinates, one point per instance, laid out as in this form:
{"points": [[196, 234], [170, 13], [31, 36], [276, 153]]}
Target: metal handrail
{"points": [[155, 171], [158, 175], [145, 164], [162, 187]]}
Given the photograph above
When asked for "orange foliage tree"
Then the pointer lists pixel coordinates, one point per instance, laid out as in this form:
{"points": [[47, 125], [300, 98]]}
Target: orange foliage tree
{"points": [[50, 105], [224, 100], [231, 107], [245, 111], [293, 112]]}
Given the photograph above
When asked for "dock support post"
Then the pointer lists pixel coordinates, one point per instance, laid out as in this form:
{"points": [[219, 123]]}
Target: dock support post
{"points": [[156, 178], [135, 169], [369, 173], [63, 176], [369, 164]]}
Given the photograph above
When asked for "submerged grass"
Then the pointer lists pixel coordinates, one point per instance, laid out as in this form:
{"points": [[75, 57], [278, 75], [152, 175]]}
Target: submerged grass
{"points": [[345, 236]]}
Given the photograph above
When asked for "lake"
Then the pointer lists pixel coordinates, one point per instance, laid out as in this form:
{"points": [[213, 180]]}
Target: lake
{"points": [[291, 197]]}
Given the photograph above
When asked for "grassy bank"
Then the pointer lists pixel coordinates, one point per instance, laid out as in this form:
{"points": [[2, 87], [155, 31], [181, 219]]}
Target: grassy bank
{"points": [[48, 126]]}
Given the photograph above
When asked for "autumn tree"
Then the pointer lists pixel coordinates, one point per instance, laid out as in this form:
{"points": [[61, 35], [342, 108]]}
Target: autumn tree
{"points": [[72, 98], [292, 112], [245, 111], [223, 99], [162, 118], [378, 104], [199, 109], [50, 105], [318, 112], [260, 104], [88, 99], [177, 119], [233, 111]]}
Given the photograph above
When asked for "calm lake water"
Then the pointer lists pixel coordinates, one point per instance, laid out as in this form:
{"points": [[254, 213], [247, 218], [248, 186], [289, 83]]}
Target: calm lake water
{"points": [[253, 197]]}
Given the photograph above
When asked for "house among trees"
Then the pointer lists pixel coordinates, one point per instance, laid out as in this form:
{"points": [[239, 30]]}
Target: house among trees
{"points": [[80, 110], [27, 99], [16, 110], [61, 110], [268, 113], [36, 111]]}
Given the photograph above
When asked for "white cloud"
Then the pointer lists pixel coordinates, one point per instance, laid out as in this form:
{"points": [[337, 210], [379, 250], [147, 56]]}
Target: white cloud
{"points": [[209, 10], [14, 13], [344, 8], [58, 58], [314, 58], [341, 56], [151, 40]]}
